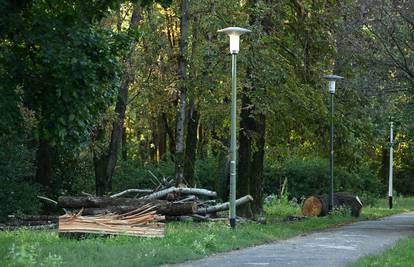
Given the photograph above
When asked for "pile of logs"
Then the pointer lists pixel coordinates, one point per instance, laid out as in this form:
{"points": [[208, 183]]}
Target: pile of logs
{"points": [[139, 215], [318, 205]]}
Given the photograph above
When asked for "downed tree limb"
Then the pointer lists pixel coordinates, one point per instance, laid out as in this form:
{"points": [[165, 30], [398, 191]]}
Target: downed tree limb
{"points": [[318, 205], [224, 206], [132, 191], [189, 198], [182, 190]]}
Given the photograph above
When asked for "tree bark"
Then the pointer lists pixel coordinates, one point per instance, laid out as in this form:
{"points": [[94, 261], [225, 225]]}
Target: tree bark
{"points": [[124, 144], [162, 137], [180, 119], [191, 144], [245, 151], [44, 161], [170, 133], [256, 178]]}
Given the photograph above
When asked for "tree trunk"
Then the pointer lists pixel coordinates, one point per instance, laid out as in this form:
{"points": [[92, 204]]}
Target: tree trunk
{"points": [[105, 163], [44, 161], [202, 142], [252, 138], [256, 176], [180, 119], [245, 161], [191, 144], [124, 144], [170, 132], [162, 137]]}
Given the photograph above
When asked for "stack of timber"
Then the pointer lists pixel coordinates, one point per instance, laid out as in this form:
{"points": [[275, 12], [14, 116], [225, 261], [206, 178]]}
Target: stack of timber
{"points": [[142, 214], [138, 222], [319, 205]]}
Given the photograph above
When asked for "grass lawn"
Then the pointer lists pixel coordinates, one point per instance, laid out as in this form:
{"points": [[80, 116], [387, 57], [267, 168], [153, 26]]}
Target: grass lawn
{"points": [[402, 254], [183, 241]]}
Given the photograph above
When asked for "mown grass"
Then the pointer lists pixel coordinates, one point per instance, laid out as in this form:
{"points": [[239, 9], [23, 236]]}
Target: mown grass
{"points": [[402, 254], [184, 241]]}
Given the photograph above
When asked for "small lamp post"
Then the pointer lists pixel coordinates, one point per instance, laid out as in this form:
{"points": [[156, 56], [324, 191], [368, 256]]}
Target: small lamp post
{"points": [[234, 34], [391, 163], [332, 80]]}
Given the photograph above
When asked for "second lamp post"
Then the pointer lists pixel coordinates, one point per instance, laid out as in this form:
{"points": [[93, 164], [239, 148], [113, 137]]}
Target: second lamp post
{"points": [[332, 79], [234, 34]]}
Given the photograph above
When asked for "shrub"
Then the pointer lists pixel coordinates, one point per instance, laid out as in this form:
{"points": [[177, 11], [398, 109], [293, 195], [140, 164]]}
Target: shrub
{"points": [[311, 177], [17, 193], [134, 174]]}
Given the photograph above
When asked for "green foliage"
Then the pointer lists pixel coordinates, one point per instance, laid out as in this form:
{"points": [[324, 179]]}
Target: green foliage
{"points": [[17, 193], [133, 174], [206, 172]]}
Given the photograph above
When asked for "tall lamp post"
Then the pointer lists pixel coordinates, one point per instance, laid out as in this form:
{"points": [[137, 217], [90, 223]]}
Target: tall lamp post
{"points": [[332, 80], [391, 163], [234, 34]]}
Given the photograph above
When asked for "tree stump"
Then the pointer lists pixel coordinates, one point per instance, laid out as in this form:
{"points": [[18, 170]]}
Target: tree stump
{"points": [[318, 205]]}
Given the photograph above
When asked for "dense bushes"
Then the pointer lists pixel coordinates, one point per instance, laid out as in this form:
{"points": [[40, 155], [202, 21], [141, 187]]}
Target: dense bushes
{"points": [[134, 174], [308, 177], [17, 193]]}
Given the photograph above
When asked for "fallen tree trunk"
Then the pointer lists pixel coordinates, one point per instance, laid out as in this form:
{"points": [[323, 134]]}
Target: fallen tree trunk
{"points": [[318, 205], [161, 207], [182, 190], [98, 202], [224, 206]]}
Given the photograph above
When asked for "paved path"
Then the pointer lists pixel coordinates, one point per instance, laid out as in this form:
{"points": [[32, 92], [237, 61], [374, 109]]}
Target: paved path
{"points": [[332, 247]]}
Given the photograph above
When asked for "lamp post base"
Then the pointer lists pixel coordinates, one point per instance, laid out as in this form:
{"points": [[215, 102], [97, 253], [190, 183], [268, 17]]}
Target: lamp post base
{"points": [[233, 223], [390, 202]]}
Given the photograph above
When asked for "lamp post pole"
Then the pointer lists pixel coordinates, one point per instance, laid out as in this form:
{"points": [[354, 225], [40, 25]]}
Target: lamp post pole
{"points": [[332, 79], [391, 163], [331, 157], [234, 34], [233, 142]]}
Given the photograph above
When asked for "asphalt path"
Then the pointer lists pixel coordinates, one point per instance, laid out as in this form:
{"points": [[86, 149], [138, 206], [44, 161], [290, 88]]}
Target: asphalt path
{"points": [[332, 247]]}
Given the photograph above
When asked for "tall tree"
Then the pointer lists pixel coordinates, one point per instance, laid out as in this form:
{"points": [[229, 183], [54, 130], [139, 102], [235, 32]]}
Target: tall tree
{"points": [[182, 105], [105, 161]]}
